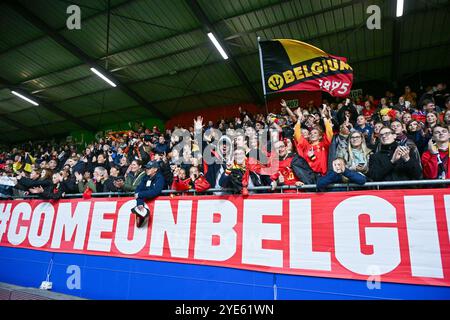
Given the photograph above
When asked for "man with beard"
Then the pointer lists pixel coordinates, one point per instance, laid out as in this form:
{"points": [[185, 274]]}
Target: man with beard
{"points": [[241, 174], [289, 169]]}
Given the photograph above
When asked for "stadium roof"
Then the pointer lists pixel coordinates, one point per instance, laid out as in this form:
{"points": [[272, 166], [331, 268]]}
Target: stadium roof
{"points": [[163, 62]]}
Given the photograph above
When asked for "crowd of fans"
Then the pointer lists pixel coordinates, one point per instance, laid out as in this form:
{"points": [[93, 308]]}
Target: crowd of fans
{"points": [[367, 139]]}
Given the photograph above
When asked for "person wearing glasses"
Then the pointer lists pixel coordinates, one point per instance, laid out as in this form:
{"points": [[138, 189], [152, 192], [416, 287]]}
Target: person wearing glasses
{"points": [[393, 161]]}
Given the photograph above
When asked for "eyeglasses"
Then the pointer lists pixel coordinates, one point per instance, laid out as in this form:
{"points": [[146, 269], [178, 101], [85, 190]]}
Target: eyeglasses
{"points": [[355, 137], [385, 134]]}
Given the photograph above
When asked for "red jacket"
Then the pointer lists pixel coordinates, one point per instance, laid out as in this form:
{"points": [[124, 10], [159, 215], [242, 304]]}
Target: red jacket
{"points": [[430, 164], [200, 184], [285, 169], [319, 163]]}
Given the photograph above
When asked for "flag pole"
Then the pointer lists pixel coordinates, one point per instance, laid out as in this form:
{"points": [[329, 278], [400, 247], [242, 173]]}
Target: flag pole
{"points": [[262, 75]]}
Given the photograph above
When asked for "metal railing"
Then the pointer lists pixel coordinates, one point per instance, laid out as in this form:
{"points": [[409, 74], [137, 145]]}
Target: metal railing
{"points": [[332, 187]]}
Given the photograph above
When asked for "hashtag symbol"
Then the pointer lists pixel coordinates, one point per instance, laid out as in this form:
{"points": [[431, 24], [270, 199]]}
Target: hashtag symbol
{"points": [[5, 214]]}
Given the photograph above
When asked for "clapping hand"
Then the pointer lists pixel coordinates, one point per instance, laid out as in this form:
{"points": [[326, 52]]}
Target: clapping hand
{"points": [[78, 176], [396, 156], [401, 152], [404, 153]]}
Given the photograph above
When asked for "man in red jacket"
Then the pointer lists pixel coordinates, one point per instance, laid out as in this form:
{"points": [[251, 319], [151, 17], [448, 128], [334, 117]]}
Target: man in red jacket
{"points": [[284, 174], [435, 160]]}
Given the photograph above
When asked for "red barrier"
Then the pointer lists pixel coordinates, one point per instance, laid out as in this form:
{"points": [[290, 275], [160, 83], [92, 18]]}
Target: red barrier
{"points": [[395, 236], [231, 111]]}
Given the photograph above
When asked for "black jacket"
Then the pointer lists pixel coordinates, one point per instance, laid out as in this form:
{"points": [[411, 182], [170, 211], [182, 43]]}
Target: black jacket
{"points": [[303, 171], [27, 183], [54, 192], [69, 185], [167, 173], [382, 169], [213, 172]]}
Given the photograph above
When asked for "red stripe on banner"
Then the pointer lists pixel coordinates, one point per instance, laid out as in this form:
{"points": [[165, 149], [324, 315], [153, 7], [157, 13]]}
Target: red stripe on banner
{"points": [[360, 235]]}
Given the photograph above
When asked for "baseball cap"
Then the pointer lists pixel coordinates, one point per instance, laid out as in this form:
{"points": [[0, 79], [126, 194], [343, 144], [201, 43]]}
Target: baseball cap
{"points": [[152, 164]]}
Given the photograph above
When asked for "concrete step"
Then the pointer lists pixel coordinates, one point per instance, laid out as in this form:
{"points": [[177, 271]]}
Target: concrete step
{"points": [[13, 292]]}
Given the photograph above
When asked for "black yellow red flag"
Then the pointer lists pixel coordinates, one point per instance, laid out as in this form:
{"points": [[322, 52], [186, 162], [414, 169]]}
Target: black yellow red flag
{"points": [[292, 65], [28, 162]]}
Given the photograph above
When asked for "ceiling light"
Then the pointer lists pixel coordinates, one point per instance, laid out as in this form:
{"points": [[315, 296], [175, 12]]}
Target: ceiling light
{"points": [[24, 98], [217, 45], [399, 8], [101, 75]]}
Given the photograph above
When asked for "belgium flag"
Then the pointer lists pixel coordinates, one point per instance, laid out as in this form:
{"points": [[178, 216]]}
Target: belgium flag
{"points": [[28, 161], [292, 65]]}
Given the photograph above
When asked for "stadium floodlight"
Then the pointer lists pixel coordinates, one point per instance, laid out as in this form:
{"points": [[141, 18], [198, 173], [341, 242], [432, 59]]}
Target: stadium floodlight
{"points": [[217, 45], [24, 98], [101, 75], [400, 8]]}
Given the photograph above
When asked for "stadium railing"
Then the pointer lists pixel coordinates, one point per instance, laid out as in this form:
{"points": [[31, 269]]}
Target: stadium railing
{"points": [[313, 187]]}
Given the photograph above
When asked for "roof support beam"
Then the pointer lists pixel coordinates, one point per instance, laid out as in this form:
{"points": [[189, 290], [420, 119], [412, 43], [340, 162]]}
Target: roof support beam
{"points": [[50, 107], [4, 118], [208, 27], [80, 54], [154, 79], [233, 36], [395, 60], [99, 13]]}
